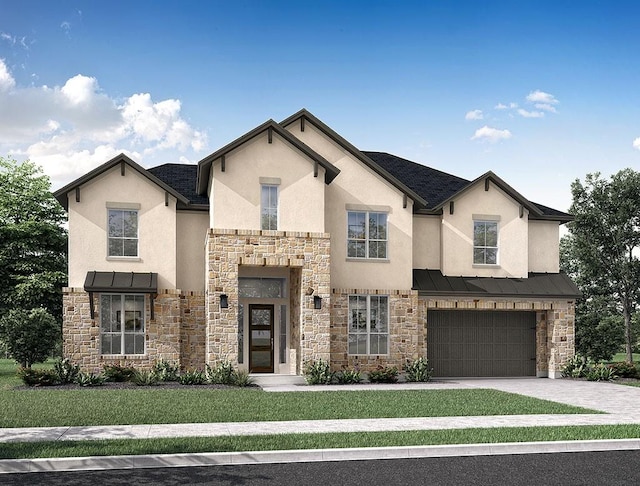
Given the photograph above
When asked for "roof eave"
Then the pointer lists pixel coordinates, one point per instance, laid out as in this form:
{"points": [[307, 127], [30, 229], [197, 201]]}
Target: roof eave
{"points": [[419, 202]]}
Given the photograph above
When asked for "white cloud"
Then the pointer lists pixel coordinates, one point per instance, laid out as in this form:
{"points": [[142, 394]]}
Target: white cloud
{"points": [[530, 114], [491, 135], [500, 106], [71, 129], [636, 143], [474, 115], [542, 100]]}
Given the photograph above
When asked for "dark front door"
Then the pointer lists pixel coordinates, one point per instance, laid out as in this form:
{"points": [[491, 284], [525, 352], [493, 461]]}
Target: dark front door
{"points": [[261, 338]]}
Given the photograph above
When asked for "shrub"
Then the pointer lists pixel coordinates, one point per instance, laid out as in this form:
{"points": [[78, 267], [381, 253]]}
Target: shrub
{"points": [[146, 378], [90, 379], [243, 379], [318, 373], [30, 336], [384, 374], [625, 369], [418, 370], [32, 377], [577, 367], [166, 371], [348, 377], [600, 372], [66, 372], [222, 374], [119, 373], [194, 377]]}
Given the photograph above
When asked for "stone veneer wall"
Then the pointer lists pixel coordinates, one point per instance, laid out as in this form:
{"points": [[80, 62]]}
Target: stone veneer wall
{"points": [[406, 330], [555, 325], [176, 316], [308, 253]]}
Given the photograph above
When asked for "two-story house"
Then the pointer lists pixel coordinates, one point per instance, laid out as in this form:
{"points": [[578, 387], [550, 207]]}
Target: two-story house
{"points": [[290, 245]]}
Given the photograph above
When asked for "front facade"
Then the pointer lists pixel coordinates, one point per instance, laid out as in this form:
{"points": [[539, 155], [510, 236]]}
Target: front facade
{"points": [[290, 245]]}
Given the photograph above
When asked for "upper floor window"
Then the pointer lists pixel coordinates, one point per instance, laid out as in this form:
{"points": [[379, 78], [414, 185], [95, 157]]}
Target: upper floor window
{"points": [[123, 233], [269, 207], [366, 234], [485, 242]]}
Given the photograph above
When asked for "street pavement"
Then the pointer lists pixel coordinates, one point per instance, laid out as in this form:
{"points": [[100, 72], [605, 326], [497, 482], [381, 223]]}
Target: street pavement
{"points": [[617, 404]]}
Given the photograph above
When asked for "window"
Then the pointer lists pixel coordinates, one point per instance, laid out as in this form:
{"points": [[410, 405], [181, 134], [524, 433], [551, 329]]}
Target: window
{"points": [[269, 207], [123, 233], [366, 235], [485, 242], [122, 323], [368, 324]]}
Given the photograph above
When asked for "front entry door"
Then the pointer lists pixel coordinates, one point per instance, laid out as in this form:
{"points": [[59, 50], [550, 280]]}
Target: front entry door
{"points": [[261, 338]]}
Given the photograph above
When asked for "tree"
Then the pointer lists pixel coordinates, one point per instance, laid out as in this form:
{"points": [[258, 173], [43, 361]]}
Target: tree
{"points": [[600, 252], [31, 335], [33, 259]]}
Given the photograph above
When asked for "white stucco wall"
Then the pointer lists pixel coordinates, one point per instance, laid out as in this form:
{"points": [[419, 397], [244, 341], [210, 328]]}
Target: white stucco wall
{"points": [[235, 193], [191, 234], [88, 227], [457, 234], [544, 246], [426, 241], [359, 186]]}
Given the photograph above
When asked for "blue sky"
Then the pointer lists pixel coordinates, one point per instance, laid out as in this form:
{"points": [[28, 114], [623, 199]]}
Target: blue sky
{"points": [[539, 92]]}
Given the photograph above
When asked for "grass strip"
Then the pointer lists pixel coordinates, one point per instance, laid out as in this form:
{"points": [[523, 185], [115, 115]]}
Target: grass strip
{"points": [[46, 408], [31, 450]]}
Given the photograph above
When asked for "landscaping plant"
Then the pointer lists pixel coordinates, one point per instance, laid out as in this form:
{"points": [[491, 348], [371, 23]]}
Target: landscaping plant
{"points": [[166, 371], [119, 373], [318, 373], [146, 378], [418, 370], [34, 377], [384, 374], [193, 377], [347, 376], [66, 371]]}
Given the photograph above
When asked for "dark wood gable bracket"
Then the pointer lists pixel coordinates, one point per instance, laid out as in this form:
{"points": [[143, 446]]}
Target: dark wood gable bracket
{"points": [[222, 163], [166, 198], [78, 194], [450, 207], [302, 124], [486, 184], [270, 131], [122, 166], [404, 201], [122, 283], [315, 168], [521, 210]]}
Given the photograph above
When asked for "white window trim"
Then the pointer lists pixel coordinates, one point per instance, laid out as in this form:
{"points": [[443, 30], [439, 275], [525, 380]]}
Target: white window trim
{"points": [[113, 207], [368, 331], [487, 220], [122, 330], [367, 239]]}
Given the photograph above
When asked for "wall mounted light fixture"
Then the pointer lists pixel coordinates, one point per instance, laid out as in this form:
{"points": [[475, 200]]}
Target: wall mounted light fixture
{"points": [[224, 301]]}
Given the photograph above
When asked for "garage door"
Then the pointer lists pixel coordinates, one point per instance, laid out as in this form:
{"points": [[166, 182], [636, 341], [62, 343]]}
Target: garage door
{"points": [[481, 343]]}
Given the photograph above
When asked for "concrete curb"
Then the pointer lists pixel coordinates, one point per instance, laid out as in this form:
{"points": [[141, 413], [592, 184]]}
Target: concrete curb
{"points": [[8, 466]]}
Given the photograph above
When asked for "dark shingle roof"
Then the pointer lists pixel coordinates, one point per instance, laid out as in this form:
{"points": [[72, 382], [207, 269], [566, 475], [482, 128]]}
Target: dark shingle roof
{"points": [[436, 186], [182, 178], [549, 285]]}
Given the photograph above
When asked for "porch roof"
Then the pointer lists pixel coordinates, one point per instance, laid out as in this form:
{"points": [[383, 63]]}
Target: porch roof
{"points": [[123, 282]]}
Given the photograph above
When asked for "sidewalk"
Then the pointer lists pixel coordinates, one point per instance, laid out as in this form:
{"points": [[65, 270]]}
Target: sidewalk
{"points": [[619, 404]]}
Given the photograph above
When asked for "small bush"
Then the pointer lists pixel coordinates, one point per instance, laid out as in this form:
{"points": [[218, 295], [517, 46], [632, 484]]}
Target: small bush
{"points": [[146, 378], [66, 371], [243, 379], [348, 377], [90, 379], [418, 370], [119, 373], [625, 369], [32, 377], [194, 377], [384, 374], [222, 374], [318, 373], [166, 371], [577, 367], [600, 372]]}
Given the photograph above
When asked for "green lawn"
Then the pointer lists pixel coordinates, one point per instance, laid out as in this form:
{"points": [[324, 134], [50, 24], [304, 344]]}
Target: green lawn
{"points": [[313, 441], [621, 357]]}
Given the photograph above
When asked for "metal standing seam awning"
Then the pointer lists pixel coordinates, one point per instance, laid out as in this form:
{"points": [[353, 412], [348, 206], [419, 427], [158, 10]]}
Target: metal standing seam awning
{"points": [[121, 282], [537, 285]]}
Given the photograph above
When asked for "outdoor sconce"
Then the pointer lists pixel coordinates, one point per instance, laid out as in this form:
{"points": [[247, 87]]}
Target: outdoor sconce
{"points": [[224, 301], [317, 302]]}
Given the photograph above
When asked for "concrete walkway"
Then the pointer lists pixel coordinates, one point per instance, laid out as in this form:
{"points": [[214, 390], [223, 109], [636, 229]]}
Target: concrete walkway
{"points": [[618, 404]]}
